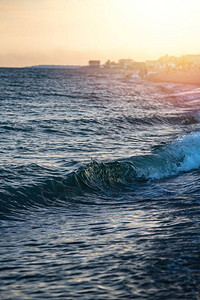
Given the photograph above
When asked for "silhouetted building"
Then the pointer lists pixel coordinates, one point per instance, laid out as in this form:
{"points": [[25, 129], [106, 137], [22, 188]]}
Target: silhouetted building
{"points": [[126, 63], [94, 63], [111, 65], [138, 65]]}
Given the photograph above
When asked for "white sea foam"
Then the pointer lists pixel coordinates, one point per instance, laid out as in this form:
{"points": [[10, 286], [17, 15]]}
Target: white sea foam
{"points": [[181, 155], [184, 153], [189, 146]]}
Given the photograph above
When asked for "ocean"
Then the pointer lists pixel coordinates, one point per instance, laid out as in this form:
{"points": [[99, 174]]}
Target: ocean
{"points": [[99, 186]]}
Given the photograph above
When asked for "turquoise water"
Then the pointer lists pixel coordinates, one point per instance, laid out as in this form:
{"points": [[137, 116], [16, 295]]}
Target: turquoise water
{"points": [[99, 186]]}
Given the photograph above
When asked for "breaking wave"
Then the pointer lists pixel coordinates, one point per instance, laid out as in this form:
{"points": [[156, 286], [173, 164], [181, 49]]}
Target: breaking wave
{"points": [[181, 155]]}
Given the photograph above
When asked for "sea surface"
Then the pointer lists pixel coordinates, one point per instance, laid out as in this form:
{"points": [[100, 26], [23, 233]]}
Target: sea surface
{"points": [[99, 186]]}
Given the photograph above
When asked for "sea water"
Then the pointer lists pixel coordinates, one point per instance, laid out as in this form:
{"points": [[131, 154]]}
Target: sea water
{"points": [[99, 186]]}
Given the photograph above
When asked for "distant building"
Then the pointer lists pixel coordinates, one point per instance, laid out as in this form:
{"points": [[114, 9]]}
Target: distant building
{"points": [[167, 59], [166, 63], [125, 63], [138, 65], [111, 65], [94, 63]]}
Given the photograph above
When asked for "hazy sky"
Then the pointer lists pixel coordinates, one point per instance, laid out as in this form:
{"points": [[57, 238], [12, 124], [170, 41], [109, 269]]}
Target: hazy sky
{"points": [[74, 31]]}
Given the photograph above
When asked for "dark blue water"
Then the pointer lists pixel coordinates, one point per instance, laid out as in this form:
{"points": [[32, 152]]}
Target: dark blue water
{"points": [[99, 186]]}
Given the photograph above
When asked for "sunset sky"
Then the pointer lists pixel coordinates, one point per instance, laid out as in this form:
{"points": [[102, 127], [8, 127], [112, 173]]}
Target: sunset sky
{"points": [[74, 31]]}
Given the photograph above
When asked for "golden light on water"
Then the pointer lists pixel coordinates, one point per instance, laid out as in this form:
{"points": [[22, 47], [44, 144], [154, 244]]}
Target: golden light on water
{"points": [[74, 31]]}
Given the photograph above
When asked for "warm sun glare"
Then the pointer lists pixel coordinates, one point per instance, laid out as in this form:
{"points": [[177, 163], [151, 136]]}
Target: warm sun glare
{"points": [[159, 25], [72, 32]]}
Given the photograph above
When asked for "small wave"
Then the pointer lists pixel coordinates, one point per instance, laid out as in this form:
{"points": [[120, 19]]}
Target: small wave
{"points": [[188, 118], [16, 128], [186, 98], [11, 126], [189, 94], [175, 87], [54, 94]]}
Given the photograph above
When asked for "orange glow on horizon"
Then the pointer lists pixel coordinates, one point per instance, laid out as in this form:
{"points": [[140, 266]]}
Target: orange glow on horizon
{"points": [[74, 31]]}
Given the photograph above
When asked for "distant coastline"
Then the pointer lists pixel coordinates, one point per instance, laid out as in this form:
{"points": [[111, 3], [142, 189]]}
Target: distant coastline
{"points": [[174, 77], [54, 67], [158, 72]]}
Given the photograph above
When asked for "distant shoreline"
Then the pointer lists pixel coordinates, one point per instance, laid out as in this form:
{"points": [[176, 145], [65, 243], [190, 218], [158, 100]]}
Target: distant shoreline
{"points": [[54, 67], [46, 67], [174, 77]]}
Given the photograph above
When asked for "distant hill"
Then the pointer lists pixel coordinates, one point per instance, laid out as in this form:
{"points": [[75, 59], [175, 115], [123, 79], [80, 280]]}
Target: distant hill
{"points": [[55, 66]]}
